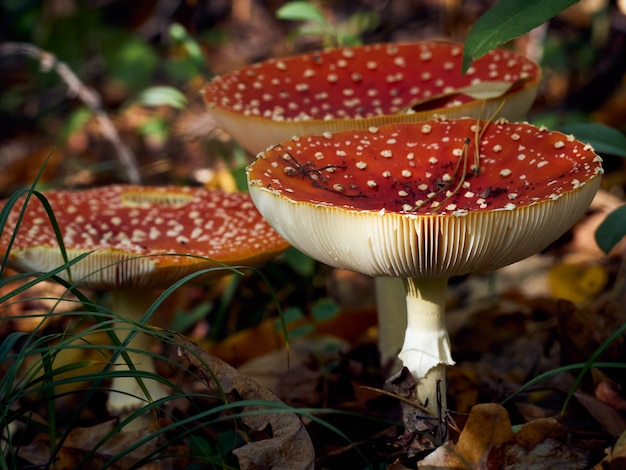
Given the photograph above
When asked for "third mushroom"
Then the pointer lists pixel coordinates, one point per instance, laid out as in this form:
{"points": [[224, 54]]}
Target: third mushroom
{"points": [[423, 202]]}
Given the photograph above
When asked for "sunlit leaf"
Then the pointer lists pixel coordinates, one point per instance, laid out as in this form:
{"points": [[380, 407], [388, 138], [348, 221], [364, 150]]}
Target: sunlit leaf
{"points": [[506, 20], [612, 229], [301, 11], [603, 139], [181, 36], [75, 122], [162, 96]]}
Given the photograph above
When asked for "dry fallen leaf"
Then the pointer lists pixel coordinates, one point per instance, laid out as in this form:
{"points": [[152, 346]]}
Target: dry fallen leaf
{"points": [[610, 418], [93, 447], [582, 331], [488, 441], [580, 283], [289, 446], [487, 426], [616, 457]]}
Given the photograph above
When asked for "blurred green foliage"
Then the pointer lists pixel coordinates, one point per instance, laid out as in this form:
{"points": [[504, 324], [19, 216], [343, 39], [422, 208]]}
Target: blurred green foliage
{"points": [[103, 52], [346, 33]]}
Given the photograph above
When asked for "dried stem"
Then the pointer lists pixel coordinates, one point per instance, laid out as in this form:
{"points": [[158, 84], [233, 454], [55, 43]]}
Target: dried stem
{"points": [[88, 96]]}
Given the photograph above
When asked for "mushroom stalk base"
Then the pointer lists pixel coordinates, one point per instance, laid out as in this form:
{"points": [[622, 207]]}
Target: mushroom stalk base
{"points": [[126, 393], [426, 349]]}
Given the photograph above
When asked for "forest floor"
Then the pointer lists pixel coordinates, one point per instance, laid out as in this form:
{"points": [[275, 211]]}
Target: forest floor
{"points": [[516, 333]]}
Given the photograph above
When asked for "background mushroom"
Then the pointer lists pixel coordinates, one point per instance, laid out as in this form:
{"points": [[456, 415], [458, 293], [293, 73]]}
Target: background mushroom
{"points": [[359, 87], [139, 239], [423, 202]]}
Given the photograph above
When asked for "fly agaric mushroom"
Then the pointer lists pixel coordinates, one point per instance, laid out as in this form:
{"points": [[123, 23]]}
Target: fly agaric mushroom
{"points": [[423, 202], [139, 239], [364, 86], [359, 87]]}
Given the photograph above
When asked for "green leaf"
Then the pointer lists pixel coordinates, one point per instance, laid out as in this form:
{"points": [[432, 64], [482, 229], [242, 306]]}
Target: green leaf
{"points": [[301, 11], [129, 59], [603, 139], [612, 229], [325, 309], [75, 122], [302, 264], [162, 96], [184, 320], [506, 20], [195, 56]]}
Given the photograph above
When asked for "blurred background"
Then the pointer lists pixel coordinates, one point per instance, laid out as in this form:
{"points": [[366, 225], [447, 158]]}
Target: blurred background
{"points": [[109, 89]]}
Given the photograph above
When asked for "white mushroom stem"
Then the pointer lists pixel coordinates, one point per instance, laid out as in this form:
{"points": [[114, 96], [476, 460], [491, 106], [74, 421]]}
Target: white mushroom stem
{"points": [[126, 394], [426, 349]]}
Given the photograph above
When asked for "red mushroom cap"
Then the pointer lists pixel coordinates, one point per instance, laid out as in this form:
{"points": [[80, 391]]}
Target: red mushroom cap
{"points": [[357, 87], [149, 236], [394, 200]]}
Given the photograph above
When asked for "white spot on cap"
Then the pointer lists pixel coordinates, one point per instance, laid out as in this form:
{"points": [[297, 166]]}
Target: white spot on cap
{"points": [[347, 53], [505, 172]]}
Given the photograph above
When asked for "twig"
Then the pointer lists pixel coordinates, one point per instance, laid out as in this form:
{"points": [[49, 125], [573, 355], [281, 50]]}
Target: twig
{"points": [[88, 96], [160, 19]]}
